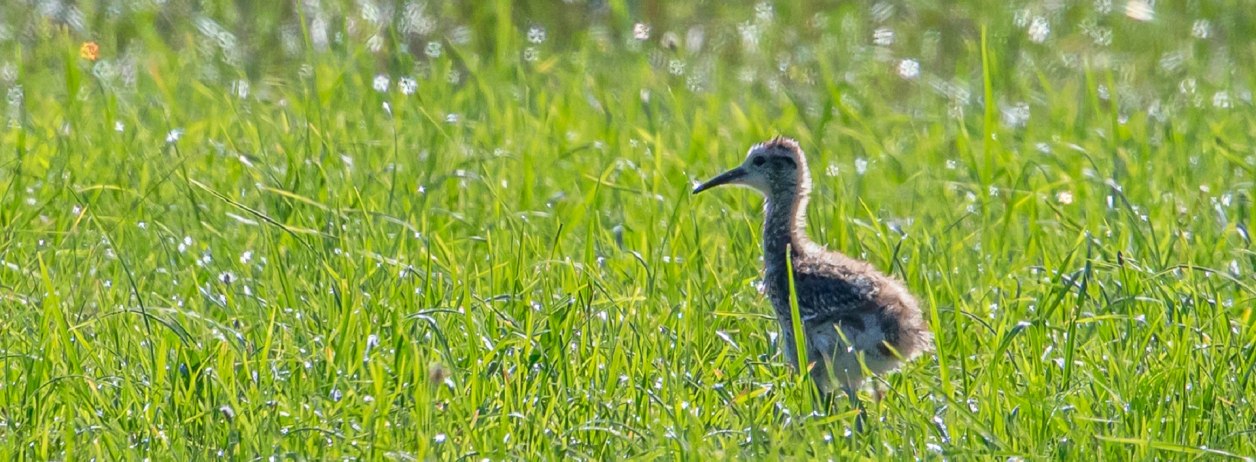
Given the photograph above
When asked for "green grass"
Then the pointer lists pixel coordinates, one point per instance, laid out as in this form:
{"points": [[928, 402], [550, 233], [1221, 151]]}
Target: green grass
{"points": [[508, 264]]}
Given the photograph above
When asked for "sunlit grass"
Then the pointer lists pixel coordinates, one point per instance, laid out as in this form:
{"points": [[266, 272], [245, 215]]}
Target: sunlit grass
{"points": [[308, 231]]}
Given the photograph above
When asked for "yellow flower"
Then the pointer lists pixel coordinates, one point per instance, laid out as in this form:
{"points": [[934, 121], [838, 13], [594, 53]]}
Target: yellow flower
{"points": [[89, 51]]}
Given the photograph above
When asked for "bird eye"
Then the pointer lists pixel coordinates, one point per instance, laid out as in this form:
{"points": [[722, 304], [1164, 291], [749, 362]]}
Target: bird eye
{"points": [[758, 161]]}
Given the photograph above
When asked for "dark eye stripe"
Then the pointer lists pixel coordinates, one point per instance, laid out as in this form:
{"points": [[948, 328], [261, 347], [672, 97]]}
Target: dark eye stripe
{"points": [[759, 160]]}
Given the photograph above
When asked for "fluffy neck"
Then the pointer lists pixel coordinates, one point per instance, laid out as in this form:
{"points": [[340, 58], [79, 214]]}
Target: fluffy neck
{"points": [[784, 225]]}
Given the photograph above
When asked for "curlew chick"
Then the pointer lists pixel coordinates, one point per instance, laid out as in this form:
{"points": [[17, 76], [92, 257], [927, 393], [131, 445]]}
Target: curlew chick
{"points": [[856, 319]]}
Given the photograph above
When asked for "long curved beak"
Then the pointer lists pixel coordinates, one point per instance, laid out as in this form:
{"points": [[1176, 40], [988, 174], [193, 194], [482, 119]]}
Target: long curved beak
{"points": [[730, 176]]}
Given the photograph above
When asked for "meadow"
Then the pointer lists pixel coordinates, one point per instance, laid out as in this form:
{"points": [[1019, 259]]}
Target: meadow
{"points": [[413, 230]]}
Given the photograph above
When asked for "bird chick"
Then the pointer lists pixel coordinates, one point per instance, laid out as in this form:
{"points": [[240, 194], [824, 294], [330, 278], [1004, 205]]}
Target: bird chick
{"points": [[856, 320]]}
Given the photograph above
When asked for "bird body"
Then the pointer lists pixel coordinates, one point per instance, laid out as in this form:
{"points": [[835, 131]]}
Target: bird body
{"points": [[856, 320]]}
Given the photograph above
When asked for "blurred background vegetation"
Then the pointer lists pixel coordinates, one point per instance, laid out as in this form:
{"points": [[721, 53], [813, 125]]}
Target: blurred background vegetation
{"points": [[1166, 52]]}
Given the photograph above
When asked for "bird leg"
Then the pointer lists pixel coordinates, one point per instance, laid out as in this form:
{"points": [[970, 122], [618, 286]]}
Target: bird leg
{"points": [[857, 404], [827, 401]]}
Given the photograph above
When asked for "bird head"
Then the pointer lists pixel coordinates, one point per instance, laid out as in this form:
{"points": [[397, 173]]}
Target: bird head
{"points": [[774, 167]]}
